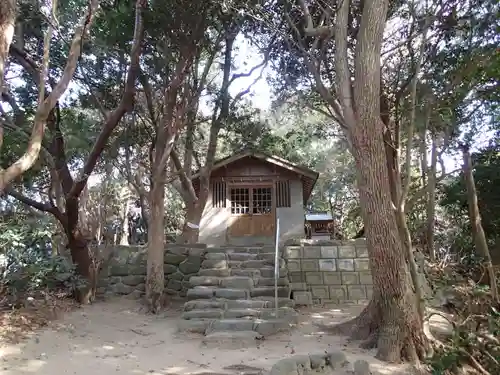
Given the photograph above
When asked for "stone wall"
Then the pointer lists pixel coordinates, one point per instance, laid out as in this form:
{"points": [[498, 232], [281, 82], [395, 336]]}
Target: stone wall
{"points": [[329, 272], [125, 271]]}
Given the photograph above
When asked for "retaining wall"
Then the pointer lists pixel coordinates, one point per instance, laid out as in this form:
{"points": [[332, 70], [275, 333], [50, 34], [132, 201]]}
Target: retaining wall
{"points": [[124, 272], [329, 272]]}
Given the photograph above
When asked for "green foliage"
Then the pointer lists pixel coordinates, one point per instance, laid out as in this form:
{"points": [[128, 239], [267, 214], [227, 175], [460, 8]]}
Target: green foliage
{"points": [[26, 263], [486, 173], [474, 319]]}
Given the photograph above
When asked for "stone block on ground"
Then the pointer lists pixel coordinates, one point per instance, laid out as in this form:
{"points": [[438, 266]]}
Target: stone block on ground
{"points": [[302, 298], [271, 326], [231, 340]]}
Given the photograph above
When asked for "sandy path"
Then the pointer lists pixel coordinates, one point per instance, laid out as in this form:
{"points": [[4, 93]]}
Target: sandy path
{"points": [[117, 337]]}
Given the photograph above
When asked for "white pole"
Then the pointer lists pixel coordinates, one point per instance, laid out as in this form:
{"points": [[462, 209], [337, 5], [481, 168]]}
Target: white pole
{"points": [[276, 267]]}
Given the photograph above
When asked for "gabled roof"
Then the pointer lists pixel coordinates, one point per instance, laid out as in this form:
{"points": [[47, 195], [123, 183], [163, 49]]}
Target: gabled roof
{"points": [[309, 176]]}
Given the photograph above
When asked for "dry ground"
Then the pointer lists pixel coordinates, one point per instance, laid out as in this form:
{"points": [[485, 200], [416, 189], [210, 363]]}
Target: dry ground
{"points": [[116, 336]]}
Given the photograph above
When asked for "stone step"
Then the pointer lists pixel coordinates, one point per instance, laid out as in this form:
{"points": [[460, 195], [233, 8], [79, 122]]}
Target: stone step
{"points": [[263, 327], [268, 291], [204, 281], [242, 256], [208, 292], [242, 313], [269, 301], [269, 281], [268, 272], [254, 274], [237, 282], [234, 289], [216, 256], [254, 264], [215, 264], [254, 303]]}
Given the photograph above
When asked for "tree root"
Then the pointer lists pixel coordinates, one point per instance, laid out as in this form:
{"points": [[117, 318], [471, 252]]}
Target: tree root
{"points": [[398, 334]]}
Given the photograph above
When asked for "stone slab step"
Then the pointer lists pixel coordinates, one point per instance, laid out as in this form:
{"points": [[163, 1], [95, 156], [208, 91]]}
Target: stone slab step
{"points": [[262, 313], [241, 313], [245, 272], [216, 256], [237, 282], [255, 264], [204, 281], [215, 264], [269, 271], [231, 340], [269, 301], [204, 304], [242, 256], [268, 291], [203, 314], [208, 292], [254, 303], [263, 327], [215, 272], [269, 281]]}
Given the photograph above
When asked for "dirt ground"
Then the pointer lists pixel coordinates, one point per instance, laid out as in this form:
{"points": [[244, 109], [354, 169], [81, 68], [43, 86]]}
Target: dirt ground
{"points": [[116, 336]]}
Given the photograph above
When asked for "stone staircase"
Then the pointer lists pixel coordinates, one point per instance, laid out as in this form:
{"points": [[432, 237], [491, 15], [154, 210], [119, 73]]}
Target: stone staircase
{"points": [[232, 297]]}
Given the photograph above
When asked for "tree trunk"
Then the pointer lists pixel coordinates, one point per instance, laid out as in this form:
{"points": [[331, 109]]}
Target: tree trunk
{"points": [[190, 233], [87, 265], [431, 201], [156, 247], [390, 321], [124, 232], [475, 220], [7, 25]]}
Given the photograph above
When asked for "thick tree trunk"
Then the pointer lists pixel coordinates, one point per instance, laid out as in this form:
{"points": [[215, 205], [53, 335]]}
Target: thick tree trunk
{"points": [[431, 201], [156, 245], [124, 231], [190, 230], [87, 265], [391, 320], [475, 220]]}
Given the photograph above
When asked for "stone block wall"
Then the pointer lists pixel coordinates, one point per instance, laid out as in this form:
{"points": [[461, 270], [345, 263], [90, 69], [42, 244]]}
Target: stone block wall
{"points": [[125, 271], [328, 272]]}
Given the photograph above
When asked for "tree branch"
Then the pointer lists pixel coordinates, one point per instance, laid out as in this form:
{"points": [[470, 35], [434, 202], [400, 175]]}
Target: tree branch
{"points": [[46, 104], [124, 106]]}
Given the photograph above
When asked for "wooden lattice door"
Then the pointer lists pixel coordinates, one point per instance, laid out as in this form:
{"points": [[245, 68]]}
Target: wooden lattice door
{"points": [[252, 211]]}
